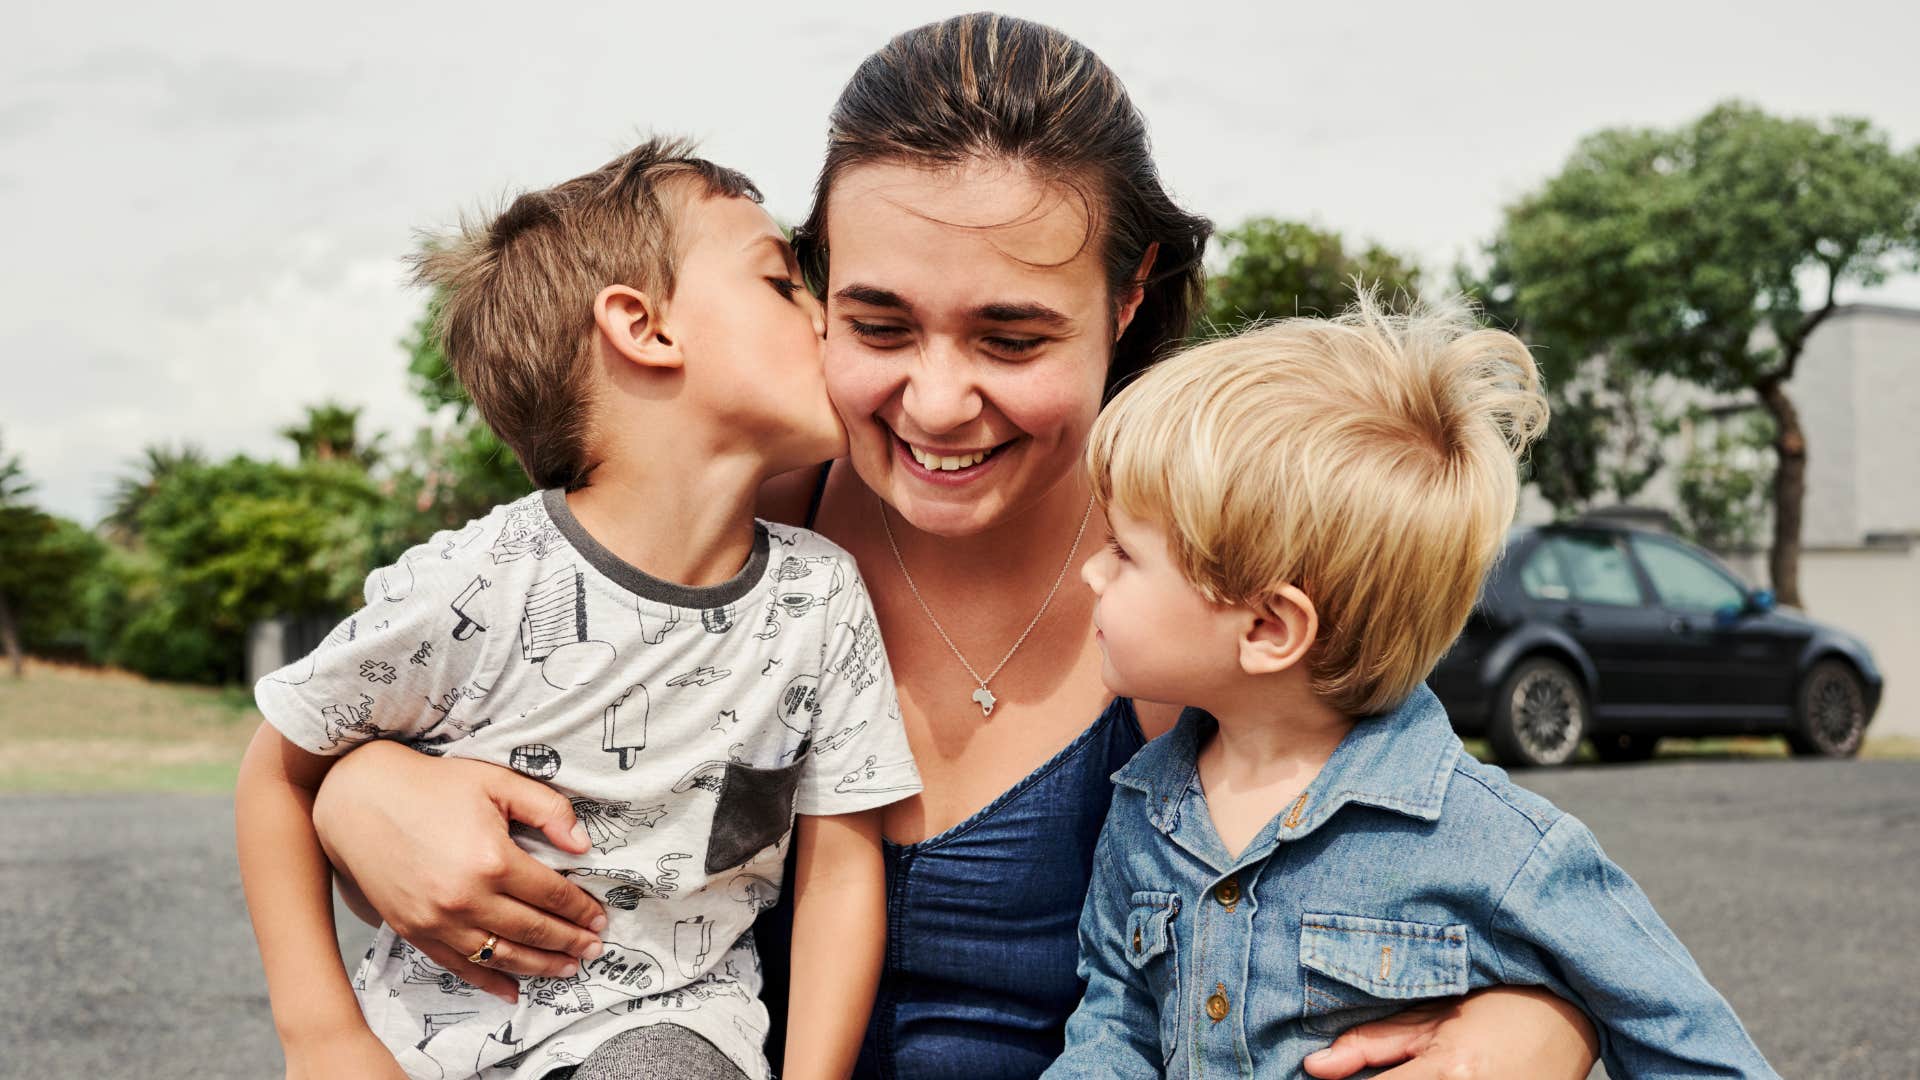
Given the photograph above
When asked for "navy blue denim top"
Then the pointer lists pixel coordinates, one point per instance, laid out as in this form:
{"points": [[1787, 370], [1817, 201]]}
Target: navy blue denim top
{"points": [[982, 925]]}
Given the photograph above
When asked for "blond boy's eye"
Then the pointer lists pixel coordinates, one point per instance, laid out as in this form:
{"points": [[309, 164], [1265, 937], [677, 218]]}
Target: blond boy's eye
{"points": [[1113, 545]]}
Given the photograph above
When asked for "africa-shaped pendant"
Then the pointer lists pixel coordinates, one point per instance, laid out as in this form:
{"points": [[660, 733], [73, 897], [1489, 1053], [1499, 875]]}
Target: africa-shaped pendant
{"points": [[985, 697]]}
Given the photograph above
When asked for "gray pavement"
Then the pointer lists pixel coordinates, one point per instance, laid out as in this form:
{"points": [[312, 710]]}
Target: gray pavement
{"points": [[127, 951]]}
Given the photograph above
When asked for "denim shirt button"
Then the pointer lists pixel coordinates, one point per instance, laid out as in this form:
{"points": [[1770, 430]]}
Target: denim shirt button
{"points": [[1228, 893], [1217, 1007]]}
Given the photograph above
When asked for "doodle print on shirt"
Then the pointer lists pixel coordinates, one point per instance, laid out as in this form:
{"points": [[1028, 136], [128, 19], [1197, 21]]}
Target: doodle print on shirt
{"points": [[420, 968], [861, 664], [538, 760], [503, 1039], [692, 944], [468, 625], [421, 655], [799, 586], [754, 890], [461, 539], [351, 723], [553, 632], [700, 676], [564, 996], [717, 620], [632, 886], [395, 582], [653, 628], [378, 671], [623, 726], [608, 823], [871, 778], [527, 531], [800, 703], [839, 738]]}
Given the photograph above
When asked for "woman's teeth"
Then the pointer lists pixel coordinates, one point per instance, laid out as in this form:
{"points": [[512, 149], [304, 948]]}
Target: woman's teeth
{"points": [[947, 463]]}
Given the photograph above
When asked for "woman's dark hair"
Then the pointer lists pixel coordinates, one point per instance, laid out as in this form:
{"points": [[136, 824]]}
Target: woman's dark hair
{"points": [[997, 88]]}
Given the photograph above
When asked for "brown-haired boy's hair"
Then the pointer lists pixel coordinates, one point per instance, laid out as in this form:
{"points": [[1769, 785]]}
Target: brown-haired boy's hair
{"points": [[515, 295]]}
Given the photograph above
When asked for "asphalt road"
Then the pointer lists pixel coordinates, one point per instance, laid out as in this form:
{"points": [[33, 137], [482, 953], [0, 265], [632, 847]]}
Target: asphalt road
{"points": [[127, 952]]}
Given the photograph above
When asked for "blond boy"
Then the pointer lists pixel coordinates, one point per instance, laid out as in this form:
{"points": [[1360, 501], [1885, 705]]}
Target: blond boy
{"points": [[1301, 518]]}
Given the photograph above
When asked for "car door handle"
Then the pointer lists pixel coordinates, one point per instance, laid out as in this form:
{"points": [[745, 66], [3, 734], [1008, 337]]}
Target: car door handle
{"points": [[1680, 626], [1573, 618]]}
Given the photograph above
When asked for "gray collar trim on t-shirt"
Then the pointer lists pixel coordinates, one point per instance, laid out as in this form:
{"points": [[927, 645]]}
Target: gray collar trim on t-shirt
{"points": [[638, 581]]}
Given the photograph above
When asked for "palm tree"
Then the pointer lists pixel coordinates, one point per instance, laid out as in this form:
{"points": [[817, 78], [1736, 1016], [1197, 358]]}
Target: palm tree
{"points": [[132, 491], [331, 432]]}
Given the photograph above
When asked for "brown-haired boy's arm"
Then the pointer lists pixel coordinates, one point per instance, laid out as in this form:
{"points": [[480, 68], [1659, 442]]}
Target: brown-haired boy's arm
{"points": [[839, 938], [289, 897]]}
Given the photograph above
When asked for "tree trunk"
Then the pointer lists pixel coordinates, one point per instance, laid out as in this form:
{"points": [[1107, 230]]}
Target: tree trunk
{"points": [[10, 638], [1789, 492]]}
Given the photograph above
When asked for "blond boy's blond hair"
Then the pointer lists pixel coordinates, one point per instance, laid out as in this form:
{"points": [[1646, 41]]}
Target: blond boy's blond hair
{"points": [[1368, 460]]}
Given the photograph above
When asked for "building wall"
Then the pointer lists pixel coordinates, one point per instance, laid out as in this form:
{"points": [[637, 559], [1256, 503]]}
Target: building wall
{"points": [[1886, 347]]}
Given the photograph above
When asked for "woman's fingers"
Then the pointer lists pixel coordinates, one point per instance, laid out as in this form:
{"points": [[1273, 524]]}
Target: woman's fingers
{"points": [[504, 987], [557, 915], [533, 803], [1384, 1042], [530, 941]]}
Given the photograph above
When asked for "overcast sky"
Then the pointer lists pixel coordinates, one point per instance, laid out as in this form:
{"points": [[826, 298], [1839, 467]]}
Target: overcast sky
{"points": [[205, 204]]}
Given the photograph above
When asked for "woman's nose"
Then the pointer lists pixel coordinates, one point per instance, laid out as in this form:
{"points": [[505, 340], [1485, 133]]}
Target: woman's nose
{"points": [[816, 311], [940, 394], [1090, 572]]}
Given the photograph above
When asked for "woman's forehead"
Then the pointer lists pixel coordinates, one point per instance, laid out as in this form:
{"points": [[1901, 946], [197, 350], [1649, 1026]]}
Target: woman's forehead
{"points": [[965, 229]]}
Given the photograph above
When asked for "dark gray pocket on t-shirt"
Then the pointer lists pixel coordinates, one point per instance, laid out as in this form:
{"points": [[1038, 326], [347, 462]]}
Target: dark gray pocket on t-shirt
{"points": [[755, 811]]}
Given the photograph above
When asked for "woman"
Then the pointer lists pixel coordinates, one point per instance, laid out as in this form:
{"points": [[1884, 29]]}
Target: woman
{"points": [[997, 253]]}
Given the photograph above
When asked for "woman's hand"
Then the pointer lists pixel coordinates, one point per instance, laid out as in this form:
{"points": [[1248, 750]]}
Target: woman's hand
{"points": [[1502, 1032], [424, 839]]}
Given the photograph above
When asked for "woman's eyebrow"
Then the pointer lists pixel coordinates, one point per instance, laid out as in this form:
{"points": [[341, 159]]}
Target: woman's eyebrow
{"points": [[1001, 311]]}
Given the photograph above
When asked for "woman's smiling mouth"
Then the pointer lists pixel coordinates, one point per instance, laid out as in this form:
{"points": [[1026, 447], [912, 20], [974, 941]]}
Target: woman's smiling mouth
{"points": [[943, 464]]}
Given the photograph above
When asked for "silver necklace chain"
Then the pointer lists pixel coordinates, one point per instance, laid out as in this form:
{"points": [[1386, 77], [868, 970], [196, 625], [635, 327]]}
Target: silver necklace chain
{"points": [[983, 696]]}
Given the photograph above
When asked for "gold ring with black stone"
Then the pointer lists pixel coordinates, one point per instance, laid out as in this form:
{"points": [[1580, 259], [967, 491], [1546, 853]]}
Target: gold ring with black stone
{"points": [[485, 952]]}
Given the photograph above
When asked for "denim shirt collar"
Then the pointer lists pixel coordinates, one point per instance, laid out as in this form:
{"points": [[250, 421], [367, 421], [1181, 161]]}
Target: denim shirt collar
{"points": [[1399, 761]]}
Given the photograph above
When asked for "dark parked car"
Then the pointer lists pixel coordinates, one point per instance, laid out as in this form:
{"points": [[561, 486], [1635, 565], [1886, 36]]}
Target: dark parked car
{"points": [[1623, 636]]}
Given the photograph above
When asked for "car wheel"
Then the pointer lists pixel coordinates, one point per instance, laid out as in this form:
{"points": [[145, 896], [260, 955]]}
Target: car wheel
{"points": [[1539, 715], [1619, 748], [1830, 715]]}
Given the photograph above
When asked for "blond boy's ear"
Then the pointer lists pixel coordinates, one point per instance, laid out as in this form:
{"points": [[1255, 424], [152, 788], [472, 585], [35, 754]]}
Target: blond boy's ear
{"points": [[1281, 631], [629, 323]]}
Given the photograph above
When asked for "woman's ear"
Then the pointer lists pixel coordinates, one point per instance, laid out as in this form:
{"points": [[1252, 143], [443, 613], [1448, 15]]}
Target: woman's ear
{"points": [[1130, 302], [1284, 627], [629, 322]]}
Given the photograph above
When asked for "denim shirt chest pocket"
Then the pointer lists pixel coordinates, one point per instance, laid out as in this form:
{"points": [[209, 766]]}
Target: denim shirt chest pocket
{"points": [[1360, 969], [1150, 946]]}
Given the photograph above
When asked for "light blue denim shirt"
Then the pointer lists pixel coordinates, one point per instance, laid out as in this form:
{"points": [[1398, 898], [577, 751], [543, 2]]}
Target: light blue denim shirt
{"points": [[1407, 870]]}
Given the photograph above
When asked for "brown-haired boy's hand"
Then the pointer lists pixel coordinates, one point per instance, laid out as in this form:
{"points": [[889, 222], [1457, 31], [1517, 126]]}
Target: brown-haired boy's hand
{"points": [[425, 841]]}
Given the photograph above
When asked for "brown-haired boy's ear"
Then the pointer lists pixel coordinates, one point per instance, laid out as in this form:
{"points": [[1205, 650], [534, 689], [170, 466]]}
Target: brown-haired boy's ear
{"points": [[1136, 292], [1284, 627], [629, 323]]}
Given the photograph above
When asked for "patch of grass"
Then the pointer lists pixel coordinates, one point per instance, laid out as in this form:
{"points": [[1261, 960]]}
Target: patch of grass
{"points": [[77, 729]]}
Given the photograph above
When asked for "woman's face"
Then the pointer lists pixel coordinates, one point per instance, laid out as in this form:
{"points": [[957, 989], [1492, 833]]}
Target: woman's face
{"points": [[967, 315]]}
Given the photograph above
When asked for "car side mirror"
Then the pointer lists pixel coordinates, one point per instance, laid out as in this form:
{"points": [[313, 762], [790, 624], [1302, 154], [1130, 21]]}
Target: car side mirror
{"points": [[1760, 601]]}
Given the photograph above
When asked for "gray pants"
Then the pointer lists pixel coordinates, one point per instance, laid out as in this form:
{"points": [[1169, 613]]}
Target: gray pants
{"points": [[663, 1050]]}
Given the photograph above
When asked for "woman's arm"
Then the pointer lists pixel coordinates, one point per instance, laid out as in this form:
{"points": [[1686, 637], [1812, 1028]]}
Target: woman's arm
{"points": [[1493, 1034], [425, 841], [839, 938]]}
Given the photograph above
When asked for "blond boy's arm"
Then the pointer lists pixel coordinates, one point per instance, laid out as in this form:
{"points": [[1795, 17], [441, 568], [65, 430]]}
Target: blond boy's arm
{"points": [[839, 939], [288, 887]]}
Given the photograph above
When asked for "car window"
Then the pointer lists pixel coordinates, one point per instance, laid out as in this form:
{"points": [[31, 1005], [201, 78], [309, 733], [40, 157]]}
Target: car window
{"points": [[1597, 569], [1685, 581], [1541, 576]]}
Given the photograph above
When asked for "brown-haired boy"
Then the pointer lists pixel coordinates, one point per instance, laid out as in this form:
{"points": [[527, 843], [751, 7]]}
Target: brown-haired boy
{"points": [[690, 678]]}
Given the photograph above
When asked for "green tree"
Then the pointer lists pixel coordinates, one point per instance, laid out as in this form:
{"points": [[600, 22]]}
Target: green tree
{"points": [[458, 469], [331, 432], [1686, 252], [42, 561], [224, 545], [132, 490], [1276, 269], [1722, 483]]}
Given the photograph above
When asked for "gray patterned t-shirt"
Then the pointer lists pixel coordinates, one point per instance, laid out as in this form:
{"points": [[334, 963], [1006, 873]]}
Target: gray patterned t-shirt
{"points": [[687, 726]]}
